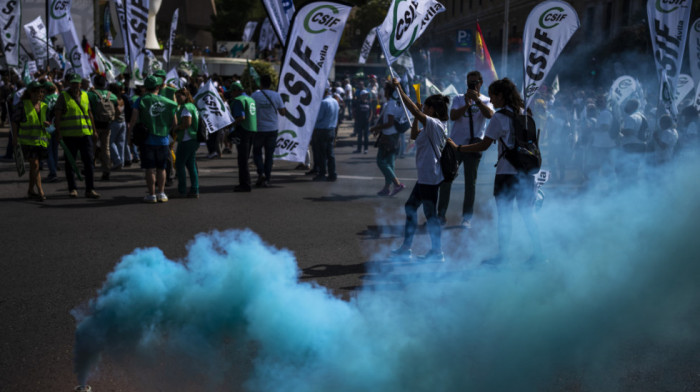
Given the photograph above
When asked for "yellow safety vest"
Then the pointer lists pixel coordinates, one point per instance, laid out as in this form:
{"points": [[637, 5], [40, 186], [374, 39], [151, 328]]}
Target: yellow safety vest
{"points": [[31, 132], [76, 121]]}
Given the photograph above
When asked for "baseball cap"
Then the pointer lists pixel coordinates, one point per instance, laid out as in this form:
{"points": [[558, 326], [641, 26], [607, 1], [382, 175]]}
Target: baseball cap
{"points": [[237, 86], [152, 82], [161, 74]]}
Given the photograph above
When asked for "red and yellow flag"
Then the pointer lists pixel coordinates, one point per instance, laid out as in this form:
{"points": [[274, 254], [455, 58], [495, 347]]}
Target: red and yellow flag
{"points": [[483, 59]]}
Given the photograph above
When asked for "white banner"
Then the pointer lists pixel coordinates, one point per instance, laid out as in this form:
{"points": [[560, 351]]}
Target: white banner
{"points": [[60, 20], [694, 51], [621, 89], [683, 88], [668, 23], [121, 16], [267, 38], [367, 46], [212, 108], [10, 19], [404, 23], [203, 68], [173, 28], [137, 22], [431, 89], [249, 31], [696, 103], [313, 41], [548, 29], [76, 59], [173, 78], [110, 72], [36, 32], [280, 14]]}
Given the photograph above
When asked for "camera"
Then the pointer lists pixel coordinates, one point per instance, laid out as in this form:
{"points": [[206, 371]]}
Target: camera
{"points": [[472, 85]]}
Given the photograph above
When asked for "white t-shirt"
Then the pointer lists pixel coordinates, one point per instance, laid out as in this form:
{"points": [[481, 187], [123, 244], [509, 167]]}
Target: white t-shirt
{"points": [[460, 131], [186, 113], [429, 145], [633, 123], [393, 108], [601, 134], [500, 128], [348, 91], [267, 114]]}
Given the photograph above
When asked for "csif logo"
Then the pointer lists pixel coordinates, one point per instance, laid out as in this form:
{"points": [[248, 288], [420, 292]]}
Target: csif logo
{"points": [[530, 90], [667, 6], [404, 18], [59, 8], [321, 19], [552, 17], [75, 58], [213, 103], [156, 109], [285, 144], [625, 84]]}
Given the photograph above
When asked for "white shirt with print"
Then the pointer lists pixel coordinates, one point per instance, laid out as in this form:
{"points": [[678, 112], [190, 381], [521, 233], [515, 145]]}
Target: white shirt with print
{"points": [[460, 131]]}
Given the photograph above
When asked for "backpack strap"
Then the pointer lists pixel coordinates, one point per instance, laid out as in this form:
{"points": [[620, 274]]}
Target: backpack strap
{"points": [[510, 115]]}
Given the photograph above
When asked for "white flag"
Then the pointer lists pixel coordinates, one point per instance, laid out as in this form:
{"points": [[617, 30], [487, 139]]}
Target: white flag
{"points": [[367, 46], [104, 63], [137, 22], [548, 29], [248, 31], [684, 86], [621, 89], [10, 16], [36, 32], [60, 20], [694, 51], [173, 28], [280, 14], [555, 85], [404, 23], [431, 88], [76, 59], [121, 15], [212, 108], [313, 41], [668, 23], [267, 38], [173, 78], [406, 61], [204, 69]]}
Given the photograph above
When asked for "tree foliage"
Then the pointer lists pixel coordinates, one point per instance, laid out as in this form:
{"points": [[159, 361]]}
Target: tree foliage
{"points": [[262, 67]]}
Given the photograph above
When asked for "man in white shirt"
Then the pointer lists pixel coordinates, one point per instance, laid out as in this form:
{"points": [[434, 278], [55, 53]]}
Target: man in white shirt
{"points": [[348, 98], [269, 106], [470, 113]]}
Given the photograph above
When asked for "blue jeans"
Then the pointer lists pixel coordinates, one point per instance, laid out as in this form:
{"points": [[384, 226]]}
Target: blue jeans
{"points": [[426, 195], [117, 142], [185, 160], [362, 130], [264, 141], [326, 155]]}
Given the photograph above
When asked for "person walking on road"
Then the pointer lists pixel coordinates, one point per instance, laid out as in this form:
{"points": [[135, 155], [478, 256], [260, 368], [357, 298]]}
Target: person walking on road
{"points": [[470, 113], [269, 107], [187, 143], [74, 124], [325, 126], [388, 142], [245, 125], [29, 122], [429, 144]]}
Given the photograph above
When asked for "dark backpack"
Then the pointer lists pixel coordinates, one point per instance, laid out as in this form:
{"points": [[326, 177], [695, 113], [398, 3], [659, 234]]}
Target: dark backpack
{"points": [[525, 155], [104, 108], [448, 162], [201, 129]]}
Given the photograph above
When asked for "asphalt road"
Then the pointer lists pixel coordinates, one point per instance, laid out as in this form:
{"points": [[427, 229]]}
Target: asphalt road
{"points": [[58, 252]]}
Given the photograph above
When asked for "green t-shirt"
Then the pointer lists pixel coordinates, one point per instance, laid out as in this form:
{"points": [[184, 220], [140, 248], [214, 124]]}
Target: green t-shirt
{"points": [[247, 105], [168, 92], [192, 130], [94, 99], [156, 113]]}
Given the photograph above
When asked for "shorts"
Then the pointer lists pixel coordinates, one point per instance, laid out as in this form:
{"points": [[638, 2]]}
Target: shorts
{"points": [[154, 157], [32, 152]]}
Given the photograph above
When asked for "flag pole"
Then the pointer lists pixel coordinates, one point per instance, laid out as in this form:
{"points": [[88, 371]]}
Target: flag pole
{"points": [[48, 67], [391, 70]]}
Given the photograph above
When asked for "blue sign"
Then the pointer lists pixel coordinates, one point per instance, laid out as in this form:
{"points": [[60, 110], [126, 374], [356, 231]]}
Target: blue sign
{"points": [[465, 39]]}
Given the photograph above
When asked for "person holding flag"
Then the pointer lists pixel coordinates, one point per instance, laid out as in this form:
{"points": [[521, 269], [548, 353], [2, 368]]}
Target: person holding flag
{"points": [[29, 119], [74, 125]]}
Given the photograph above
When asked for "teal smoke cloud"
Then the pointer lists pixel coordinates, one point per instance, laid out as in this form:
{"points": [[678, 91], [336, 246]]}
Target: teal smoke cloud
{"points": [[618, 299]]}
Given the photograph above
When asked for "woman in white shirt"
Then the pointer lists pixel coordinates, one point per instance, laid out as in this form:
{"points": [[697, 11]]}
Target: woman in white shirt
{"points": [[388, 142], [510, 184], [429, 144]]}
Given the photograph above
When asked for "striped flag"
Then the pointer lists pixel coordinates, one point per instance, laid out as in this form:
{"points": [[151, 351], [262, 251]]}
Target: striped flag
{"points": [[482, 59]]}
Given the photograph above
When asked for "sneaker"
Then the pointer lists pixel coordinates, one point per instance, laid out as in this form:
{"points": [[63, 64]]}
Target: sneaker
{"points": [[397, 189], [91, 194], [117, 167], [212, 155], [401, 253], [433, 256], [193, 195], [365, 152], [310, 172], [162, 198], [384, 192], [332, 178], [150, 199], [319, 177], [357, 151], [260, 182], [443, 220], [73, 194], [302, 166], [266, 184], [227, 151], [53, 178], [466, 224]]}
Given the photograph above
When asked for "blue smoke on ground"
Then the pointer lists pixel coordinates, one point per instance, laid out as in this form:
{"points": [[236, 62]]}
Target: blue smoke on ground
{"points": [[615, 307]]}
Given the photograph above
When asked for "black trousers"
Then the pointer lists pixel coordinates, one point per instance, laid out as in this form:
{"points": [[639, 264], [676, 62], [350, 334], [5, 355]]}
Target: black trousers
{"points": [[243, 148]]}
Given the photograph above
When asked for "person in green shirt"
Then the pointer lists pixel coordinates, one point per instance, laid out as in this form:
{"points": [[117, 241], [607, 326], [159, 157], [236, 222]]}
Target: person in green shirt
{"points": [[187, 143], [245, 126], [157, 114]]}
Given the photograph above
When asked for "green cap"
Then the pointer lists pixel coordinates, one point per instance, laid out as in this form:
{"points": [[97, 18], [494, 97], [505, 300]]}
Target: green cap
{"points": [[237, 86], [152, 82], [75, 78], [34, 84], [48, 84], [160, 73]]}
